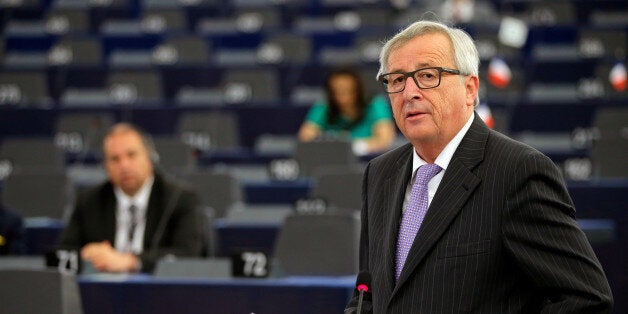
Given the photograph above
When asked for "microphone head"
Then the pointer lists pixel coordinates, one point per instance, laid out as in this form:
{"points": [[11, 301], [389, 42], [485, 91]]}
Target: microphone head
{"points": [[363, 281]]}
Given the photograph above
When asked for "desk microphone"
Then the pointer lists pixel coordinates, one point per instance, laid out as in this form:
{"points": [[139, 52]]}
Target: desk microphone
{"points": [[363, 282]]}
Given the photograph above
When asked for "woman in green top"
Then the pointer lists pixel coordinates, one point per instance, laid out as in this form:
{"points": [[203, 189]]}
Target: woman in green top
{"points": [[346, 114]]}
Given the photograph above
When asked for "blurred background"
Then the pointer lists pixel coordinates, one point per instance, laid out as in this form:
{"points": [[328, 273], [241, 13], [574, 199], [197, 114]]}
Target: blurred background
{"points": [[223, 86]]}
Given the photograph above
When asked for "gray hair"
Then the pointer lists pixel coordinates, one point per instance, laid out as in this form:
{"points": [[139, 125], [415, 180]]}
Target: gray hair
{"points": [[465, 53]]}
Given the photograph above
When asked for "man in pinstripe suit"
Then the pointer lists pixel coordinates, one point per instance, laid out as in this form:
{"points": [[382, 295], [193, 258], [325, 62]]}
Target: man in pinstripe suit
{"points": [[500, 234]]}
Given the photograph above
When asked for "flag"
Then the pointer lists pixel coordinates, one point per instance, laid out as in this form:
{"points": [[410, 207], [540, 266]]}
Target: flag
{"points": [[485, 114], [499, 73], [618, 77]]}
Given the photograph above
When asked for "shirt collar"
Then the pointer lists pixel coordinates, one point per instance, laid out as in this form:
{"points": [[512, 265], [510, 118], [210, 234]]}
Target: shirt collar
{"points": [[140, 199], [445, 156]]}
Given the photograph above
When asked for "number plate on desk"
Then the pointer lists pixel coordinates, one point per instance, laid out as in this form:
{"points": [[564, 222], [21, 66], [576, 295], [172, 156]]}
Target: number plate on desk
{"points": [[250, 264]]}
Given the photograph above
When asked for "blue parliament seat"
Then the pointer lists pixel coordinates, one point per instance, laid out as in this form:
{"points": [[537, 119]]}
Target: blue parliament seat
{"points": [[81, 133], [489, 46], [552, 13], [339, 187], [38, 194], [285, 48], [67, 20], [243, 86], [134, 87], [31, 155], [551, 117], [80, 87], [174, 156], [219, 192], [180, 50], [162, 20], [318, 245], [25, 88], [192, 85], [601, 43], [210, 130], [127, 34], [614, 15], [608, 151]]}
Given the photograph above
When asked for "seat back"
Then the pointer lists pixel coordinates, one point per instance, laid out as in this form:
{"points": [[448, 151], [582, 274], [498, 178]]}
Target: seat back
{"points": [[174, 156], [39, 291], [220, 191], [608, 153], [38, 194], [285, 47], [186, 50], [311, 155], [76, 52], [159, 20], [32, 155], [62, 21], [340, 187], [24, 88], [82, 132], [135, 87], [325, 244], [247, 85], [209, 130]]}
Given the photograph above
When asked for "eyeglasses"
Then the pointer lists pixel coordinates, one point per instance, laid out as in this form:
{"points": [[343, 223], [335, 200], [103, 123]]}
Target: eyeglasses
{"points": [[424, 78]]}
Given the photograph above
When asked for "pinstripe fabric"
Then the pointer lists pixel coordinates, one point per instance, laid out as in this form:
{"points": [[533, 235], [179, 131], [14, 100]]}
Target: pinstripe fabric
{"points": [[500, 236]]}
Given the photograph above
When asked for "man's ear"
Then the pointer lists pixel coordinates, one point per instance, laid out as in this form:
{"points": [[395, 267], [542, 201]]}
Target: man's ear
{"points": [[472, 87]]}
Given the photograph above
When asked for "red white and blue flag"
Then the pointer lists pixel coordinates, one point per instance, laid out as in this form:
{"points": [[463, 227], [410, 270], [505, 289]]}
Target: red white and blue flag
{"points": [[499, 73], [485, 114], [618, 77]]}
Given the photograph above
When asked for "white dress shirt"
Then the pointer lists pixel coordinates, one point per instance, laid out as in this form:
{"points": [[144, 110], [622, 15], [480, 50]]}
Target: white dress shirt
{"points": [[123, 217], [442, 161]]}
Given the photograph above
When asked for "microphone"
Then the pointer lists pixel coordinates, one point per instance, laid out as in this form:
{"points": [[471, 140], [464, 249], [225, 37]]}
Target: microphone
{"points": [[362, 285]]}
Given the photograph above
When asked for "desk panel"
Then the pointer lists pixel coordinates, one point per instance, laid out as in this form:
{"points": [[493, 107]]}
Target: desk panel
{"points": [[144, 294]]}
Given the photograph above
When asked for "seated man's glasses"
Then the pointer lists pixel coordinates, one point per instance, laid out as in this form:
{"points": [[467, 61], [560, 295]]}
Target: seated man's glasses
{"points": [[424, 78]]}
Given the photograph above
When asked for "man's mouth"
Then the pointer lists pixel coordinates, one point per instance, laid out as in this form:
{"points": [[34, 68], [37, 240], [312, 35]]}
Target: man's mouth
{"points": [[413, 114]]}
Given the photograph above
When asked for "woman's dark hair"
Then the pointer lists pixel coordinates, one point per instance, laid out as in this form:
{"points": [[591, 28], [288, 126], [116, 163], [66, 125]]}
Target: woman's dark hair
{"points": [[333, 114]]}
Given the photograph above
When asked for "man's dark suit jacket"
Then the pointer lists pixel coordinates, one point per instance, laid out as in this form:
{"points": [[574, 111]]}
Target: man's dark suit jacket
{"points": [[500, 236], [173, 222]]}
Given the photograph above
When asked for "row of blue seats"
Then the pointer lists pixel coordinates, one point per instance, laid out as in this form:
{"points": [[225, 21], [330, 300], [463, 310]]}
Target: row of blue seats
{"points": [[273, 85], [254, 121], [248, 31], [576, 10]]}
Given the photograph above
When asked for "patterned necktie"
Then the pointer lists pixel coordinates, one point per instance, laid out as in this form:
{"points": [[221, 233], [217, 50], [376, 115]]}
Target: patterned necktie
{"points": [[132, 226], [415, 211]]}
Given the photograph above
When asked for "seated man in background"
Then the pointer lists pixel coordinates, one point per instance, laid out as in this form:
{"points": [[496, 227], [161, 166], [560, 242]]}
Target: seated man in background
{"points": [[11, 232], [139, 215]]}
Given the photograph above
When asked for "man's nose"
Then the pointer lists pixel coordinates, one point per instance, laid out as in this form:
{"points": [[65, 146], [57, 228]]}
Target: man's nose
{"points": [[411, 89]]}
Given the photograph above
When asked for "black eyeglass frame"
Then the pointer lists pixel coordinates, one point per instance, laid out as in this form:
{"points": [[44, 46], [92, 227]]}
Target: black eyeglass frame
{"points": [[406, 75]]}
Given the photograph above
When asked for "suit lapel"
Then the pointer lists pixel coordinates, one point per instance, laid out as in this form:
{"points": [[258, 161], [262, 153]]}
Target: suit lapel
{"points": [[109, 207], [457, 185], [153, 213]]}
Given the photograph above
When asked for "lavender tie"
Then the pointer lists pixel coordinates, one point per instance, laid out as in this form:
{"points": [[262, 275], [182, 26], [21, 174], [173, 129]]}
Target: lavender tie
{"points": [[415, 211]]}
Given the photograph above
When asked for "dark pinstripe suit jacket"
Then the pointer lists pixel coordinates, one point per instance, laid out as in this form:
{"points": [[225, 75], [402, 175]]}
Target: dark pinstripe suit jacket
{"points": [[500, 236]]}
